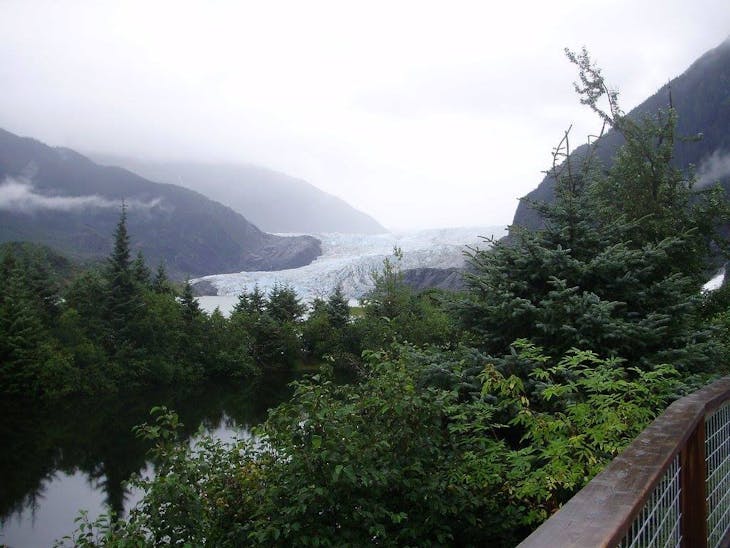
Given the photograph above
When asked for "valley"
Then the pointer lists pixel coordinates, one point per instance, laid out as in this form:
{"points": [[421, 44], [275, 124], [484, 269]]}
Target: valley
{"points": [[203, 343], [348, 260]]}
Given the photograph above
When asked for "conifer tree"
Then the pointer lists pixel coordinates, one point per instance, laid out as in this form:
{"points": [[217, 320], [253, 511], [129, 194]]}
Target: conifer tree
{"points": [[284, 305], [338, 308], [160, 283], [140, 271], [242, 304], [123, 300], [593, 278], [22, 337], [256, 301], [190, 306]]}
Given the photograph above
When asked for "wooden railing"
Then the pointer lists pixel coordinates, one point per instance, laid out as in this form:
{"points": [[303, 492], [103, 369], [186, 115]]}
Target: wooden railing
{"points": [[670, 487]]}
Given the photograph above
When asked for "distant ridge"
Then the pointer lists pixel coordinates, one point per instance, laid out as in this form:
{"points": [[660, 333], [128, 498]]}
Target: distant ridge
{"points": [[273, 201], [57, 197], [701, 97]]}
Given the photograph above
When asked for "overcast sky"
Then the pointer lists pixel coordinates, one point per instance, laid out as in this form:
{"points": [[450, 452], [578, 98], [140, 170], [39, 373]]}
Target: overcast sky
{"points": [[423, 114]]}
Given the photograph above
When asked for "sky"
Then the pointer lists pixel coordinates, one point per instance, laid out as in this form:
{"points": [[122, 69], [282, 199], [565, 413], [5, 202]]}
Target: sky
{"points": [[422, 114]]}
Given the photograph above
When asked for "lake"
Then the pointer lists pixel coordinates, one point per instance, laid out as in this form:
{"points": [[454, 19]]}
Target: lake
{"points": [[76, 455]]}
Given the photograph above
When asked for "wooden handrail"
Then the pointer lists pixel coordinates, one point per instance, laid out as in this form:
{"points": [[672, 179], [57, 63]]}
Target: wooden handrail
{"points": [[603, 511]]}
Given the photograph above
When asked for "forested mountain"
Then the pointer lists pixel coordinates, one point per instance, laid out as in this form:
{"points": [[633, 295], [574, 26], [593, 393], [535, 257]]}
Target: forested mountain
{"points": [[60, 198], [271, 200], [701, 97]]}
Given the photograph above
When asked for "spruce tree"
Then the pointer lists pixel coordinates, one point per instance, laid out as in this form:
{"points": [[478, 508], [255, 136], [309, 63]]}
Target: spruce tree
{"points": [[338, 308], [256, 301], [595, 278], [123, 300], [242, 304], [284, 305], [644, 185], [22, 337], [140, 271], [190, 307], [160, 283]]}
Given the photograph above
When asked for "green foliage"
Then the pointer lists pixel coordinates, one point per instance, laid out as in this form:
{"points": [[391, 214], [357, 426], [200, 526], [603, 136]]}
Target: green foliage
{"points": [[328, 334], [393, 312], [140, 271], [268, 330], [475, 456], [338, 465], [122, 296], [283, 305], [31, 361], [619, 264], [113, 327], [578, 335], [568, 418], [160, 283], [105, 530], [338, 308], [644, 184]]}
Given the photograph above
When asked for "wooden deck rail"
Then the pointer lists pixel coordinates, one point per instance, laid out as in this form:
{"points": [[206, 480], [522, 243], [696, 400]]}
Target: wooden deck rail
{"points": [[663, 490]]}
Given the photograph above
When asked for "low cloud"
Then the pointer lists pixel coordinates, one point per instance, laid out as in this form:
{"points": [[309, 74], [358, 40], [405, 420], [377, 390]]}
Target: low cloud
{"points": [[20, 196], [714, 168]]}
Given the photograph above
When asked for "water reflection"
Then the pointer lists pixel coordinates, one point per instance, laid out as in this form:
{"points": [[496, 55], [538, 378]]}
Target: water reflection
{"points": [[77, 454]]}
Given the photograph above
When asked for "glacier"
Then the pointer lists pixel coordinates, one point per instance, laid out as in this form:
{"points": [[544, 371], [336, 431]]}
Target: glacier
{"points": [[350, 259]]}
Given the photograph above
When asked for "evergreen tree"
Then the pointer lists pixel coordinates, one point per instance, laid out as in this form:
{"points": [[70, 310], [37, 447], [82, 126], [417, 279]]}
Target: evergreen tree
{"points": [[120, 259], [284, 305], [338, 308], [242, 304], [191, 308], [123, 299], [645, 186], [22, 337], [160, 283], [596, 277], [389, 295], [253, 303], [140, 271]]}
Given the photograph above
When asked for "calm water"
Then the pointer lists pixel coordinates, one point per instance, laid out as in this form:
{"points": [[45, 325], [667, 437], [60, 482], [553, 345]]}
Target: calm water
{"points": [[76, 455]]}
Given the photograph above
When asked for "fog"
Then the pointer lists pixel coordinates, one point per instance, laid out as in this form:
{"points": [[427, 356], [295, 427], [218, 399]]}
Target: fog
{"points": [[20, 196], [422, 114], [716, 167]]}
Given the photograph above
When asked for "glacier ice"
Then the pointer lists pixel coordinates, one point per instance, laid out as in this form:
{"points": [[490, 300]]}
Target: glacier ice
{"points": [[350, 259]]}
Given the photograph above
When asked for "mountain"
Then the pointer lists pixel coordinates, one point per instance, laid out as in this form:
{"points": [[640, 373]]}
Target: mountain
{"points": [[701, 97], [60, 198], [419, 279], [272, 201]]}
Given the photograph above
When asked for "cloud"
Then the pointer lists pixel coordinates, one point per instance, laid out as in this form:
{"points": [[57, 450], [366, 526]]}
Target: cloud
{"points": [[714, 168], [19, 196]]}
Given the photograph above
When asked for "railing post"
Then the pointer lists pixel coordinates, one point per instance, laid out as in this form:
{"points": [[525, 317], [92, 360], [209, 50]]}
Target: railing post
{"points": [[694, 491]]}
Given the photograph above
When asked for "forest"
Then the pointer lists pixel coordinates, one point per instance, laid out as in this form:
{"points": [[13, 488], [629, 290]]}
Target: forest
{"points": [[472, 415]]}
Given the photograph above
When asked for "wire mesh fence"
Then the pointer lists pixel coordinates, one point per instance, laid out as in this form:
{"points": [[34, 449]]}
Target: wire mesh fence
{"points": [[658, 522], [670, 487], [717, 458]]}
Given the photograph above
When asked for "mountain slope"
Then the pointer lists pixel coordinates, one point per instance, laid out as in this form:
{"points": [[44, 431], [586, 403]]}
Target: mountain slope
{"points": [[272, 201], [60, 198], [701, 97]]}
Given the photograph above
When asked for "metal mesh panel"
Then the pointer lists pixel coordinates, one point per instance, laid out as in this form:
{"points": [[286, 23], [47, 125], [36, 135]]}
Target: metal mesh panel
{"points": [[658, 522], [717, 456]]}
